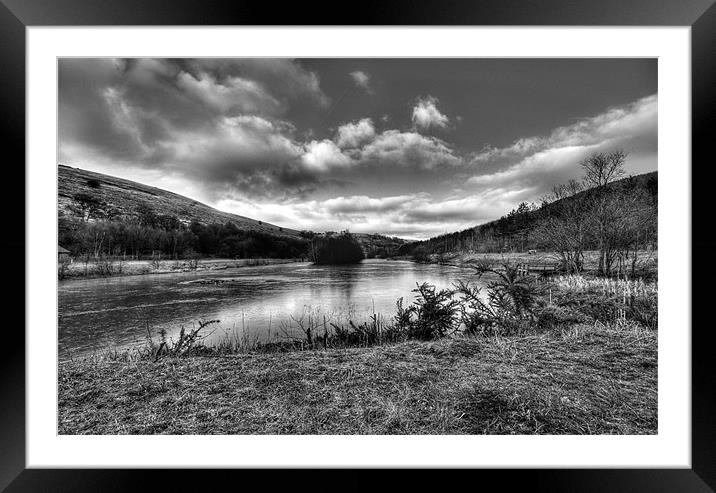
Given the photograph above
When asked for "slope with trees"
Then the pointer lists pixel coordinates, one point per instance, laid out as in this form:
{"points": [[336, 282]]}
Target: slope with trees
{"points": [[101, 216], [605, 211]]}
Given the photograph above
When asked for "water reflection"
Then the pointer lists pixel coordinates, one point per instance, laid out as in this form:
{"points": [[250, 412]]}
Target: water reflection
{"points": [[115, 312]]}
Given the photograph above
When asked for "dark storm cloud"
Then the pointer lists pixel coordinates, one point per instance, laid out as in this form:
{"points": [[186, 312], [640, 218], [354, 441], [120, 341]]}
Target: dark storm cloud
{"points": [[287, 80], [215, 120], [85, 117]]}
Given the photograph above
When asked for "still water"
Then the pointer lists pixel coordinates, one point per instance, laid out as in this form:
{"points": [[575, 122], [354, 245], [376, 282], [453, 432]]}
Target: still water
{"points": [[253, 302]]}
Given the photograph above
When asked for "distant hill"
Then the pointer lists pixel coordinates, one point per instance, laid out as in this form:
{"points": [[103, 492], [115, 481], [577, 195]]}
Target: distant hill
{"points": [[128, 199], [140, 219], [514, 231]]}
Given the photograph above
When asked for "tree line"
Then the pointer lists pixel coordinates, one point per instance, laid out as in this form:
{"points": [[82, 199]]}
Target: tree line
{"points": [[604, 211], [147, 235]]}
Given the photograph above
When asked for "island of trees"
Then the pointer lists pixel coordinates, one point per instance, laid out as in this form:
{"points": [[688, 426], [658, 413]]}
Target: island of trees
{"points": [[335, 248]]}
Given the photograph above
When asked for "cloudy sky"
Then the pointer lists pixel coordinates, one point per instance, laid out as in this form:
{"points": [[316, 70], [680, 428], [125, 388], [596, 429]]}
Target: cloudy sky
{"points": [[405, 147]]}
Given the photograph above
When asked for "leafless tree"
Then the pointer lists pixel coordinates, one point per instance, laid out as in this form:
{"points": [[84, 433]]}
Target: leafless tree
{"points": [[607, 210], [613, 218], [565, 229], [624, 218], [602, 168]]}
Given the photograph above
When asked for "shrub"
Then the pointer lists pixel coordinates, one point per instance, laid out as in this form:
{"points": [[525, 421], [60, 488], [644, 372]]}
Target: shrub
{"points": [[186, 344], [645, 311], [106, 268], [553, 317], [508, 307], [436, 313], [403, 317]]}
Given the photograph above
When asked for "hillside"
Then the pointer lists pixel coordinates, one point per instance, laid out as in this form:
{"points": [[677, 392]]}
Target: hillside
{"points": [[104, 215], [127, 199], [516, 231]]}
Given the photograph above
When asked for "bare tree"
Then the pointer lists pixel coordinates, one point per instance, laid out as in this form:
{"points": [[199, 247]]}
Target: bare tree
{"points": [[602, 168], [628, 213], [606, 209], [565, 229], [616, 219]]}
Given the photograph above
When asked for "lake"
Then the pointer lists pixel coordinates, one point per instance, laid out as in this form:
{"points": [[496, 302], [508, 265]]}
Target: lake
{"points": [[262, 302]]}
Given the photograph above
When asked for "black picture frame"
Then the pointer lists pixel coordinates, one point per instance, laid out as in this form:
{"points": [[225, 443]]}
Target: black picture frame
{"points": [[16, 15]]}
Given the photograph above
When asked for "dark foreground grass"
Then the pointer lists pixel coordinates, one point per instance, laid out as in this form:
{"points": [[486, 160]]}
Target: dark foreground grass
{"points": [[587, 380]]}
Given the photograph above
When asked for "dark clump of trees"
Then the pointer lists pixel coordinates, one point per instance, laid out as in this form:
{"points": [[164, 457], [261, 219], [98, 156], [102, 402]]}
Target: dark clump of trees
{"points": [[94, 231], [332, 248]]}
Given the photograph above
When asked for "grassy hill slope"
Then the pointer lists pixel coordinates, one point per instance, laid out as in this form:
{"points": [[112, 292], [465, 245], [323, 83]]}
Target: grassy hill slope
{"points": [[124, 198]]}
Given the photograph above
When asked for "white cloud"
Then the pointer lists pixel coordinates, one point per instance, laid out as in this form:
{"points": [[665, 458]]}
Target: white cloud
{"points": [[324, 155], [353, 135], [236, 147], [426, 114], [234, 94], [359, 204], [537, 165], [218, 126], [361, 79], [417, 215], [542, 162], [409, 149], [281, 77]]}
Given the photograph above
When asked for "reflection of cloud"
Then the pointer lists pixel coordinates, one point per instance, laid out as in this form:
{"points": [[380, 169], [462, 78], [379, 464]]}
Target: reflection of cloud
{"points": [[426, 114]]}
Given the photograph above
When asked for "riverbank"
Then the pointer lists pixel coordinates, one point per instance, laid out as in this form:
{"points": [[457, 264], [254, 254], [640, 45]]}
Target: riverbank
{"points": [[647, 263], [118, 268], [589, 379]]}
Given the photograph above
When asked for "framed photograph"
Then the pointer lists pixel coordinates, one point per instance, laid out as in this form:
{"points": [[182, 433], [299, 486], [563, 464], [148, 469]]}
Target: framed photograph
{"points": [[428, 236]]}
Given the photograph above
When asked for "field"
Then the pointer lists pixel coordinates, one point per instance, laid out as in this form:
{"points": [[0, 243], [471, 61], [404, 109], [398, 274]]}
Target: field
{"points": [[590, 379]]}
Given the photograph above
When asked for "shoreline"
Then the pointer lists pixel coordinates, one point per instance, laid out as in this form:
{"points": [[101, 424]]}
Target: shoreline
{"points": [[648, 259], [125, 268], [122, 268]]}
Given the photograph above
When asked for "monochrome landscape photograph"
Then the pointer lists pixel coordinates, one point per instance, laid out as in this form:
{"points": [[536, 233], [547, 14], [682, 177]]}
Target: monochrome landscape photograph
{"points": [[357, 246]]}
